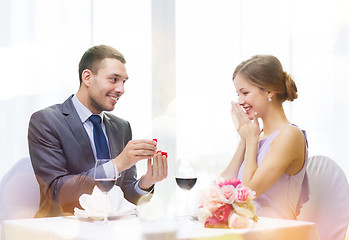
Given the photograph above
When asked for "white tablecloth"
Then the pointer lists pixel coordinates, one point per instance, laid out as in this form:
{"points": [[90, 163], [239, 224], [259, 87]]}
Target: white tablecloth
{"points": [[63, 228]]}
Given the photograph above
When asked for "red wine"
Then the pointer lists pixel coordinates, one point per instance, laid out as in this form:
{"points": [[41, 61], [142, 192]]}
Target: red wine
{"points": [[105, 184], [186, 183]]}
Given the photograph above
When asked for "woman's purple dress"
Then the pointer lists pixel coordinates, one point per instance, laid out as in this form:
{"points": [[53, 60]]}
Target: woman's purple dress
{"points": [[285, 198]]}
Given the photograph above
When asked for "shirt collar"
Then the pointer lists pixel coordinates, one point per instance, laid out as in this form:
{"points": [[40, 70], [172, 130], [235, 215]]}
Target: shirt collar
{"points": [[83, 112]]}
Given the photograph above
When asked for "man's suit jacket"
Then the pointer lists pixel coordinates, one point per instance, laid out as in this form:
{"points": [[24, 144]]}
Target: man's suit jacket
{"points": [[63, 160]]}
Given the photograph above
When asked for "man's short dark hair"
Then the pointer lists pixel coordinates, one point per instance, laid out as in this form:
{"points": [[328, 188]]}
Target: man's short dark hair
{"points": [[95, 55]]}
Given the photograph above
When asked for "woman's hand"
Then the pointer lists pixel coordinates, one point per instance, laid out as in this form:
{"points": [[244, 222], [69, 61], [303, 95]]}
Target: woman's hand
{"points": [[246, 128]]}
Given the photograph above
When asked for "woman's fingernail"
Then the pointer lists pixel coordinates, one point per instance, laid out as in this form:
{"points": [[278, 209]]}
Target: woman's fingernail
{"points": [[164, 153]]}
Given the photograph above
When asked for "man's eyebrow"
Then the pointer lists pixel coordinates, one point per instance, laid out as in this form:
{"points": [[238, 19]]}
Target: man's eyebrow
{"points": [[117, 75]]}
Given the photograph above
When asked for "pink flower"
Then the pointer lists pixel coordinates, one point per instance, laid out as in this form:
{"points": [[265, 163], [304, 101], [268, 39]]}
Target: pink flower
{"points": [[213, 193], [227, 204], [228, 194], [209, 196], [213, 205], [203, 214], [237, 221], [232, 181], [243, 193]]}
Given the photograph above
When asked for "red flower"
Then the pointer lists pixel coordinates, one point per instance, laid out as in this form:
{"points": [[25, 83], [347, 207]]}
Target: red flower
{"points": [[220, 217], [212, 222]]}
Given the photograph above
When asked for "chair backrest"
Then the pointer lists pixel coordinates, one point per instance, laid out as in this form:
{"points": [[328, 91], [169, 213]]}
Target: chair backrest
{"points": [[19, 192], [328, 204]]}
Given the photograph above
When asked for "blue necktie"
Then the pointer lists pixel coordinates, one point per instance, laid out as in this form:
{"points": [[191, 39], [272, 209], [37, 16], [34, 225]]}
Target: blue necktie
{"points": [[99, 138]]}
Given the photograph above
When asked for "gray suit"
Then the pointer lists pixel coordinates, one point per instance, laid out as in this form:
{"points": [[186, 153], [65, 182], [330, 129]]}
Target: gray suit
{"points": [[63, 160]]}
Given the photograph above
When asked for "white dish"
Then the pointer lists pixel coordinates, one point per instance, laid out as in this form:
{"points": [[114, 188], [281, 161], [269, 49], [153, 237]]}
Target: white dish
{"points": [[82, 214]]}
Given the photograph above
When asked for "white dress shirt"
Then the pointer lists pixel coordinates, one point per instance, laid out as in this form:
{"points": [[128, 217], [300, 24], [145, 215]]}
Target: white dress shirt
{"points": [[84, 115]]}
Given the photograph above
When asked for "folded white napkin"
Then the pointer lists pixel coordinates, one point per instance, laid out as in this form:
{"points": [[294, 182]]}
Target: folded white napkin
{"points": [[98, 205]]}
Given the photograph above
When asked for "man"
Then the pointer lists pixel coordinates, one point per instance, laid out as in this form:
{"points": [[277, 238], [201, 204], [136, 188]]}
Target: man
{"points": [[63, 144]]}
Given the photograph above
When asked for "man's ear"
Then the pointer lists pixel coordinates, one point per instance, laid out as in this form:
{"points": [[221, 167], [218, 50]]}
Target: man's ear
{"points": [[86, 77]]}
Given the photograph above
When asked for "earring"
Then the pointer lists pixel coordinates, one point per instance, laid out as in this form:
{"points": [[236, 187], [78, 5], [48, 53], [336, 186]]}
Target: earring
{"points": [[269, 99]]}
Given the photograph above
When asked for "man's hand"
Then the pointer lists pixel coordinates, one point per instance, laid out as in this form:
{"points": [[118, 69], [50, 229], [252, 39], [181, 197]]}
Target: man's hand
{"points": [[157, 171], [134, 151]]}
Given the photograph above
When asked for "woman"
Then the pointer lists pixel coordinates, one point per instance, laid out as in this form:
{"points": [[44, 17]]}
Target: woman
{"points": [[272, 160]]}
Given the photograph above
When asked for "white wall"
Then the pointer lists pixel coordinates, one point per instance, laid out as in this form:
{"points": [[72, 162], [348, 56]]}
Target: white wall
{"points": [[310, 38], [41, 43]]}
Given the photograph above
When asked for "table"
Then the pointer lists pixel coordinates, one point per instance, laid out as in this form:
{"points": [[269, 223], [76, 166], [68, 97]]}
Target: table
{"points": [[131, 227]]}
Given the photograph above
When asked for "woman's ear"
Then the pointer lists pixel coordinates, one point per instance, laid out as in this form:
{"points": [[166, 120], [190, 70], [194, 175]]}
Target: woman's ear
{"points": [[270, 94], [86, 77]]}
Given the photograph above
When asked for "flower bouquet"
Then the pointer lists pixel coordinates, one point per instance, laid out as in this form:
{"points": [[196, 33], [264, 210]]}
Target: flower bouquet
{"points": [[227, 204]]}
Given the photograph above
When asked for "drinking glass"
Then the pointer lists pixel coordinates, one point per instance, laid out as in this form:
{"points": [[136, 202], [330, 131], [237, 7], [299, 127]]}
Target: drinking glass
{"points": [[104, 183], [186, 178]]}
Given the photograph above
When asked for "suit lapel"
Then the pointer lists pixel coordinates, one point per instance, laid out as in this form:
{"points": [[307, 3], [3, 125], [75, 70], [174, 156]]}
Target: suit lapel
{"points": [[78, 130], [115, 142], [113, 137]]}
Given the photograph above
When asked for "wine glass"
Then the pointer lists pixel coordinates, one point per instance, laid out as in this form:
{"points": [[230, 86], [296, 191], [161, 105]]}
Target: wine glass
{"points": [[104, 182], [186, 178]]}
